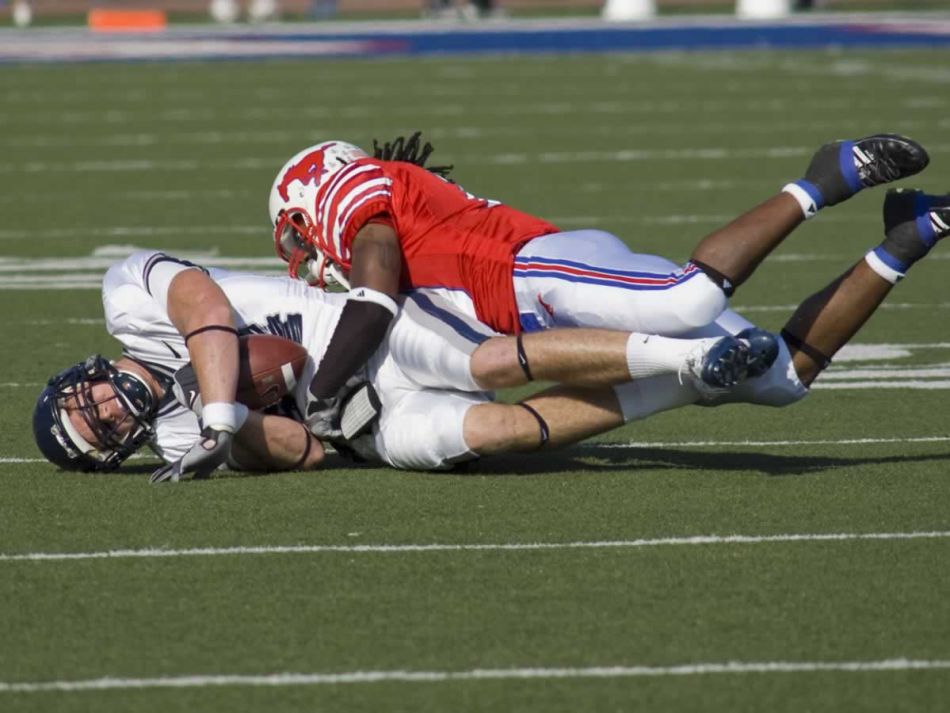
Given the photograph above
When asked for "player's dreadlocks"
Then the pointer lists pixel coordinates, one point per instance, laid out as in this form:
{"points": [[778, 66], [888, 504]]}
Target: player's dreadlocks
{"points": [[409, 150]]}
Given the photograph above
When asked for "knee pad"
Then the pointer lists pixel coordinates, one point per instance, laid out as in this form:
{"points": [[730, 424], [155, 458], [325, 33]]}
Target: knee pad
{"points": [[697, 302]]}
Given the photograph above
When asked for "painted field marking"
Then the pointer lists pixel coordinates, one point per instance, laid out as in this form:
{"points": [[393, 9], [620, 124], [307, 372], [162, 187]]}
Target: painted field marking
{"points": [[471, 547], [709, 153], [478, 674], [762, 444], [907, 385]]}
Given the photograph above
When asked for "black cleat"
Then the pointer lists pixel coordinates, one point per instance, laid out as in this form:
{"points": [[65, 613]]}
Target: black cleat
{"points": [[913, 222], [840, 169]]}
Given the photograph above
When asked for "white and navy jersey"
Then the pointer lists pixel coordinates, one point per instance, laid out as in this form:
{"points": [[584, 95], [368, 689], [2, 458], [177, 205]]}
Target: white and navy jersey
{"points": [[422, 371], [135, 295]]}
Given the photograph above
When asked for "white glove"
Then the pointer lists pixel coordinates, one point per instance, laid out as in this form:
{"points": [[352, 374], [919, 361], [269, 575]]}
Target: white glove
{"points": [[345, 416], [211, 450], [222, 421]]}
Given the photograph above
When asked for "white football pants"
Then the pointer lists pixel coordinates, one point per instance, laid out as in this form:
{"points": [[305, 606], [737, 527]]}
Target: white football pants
{"points": [[590, 278]]}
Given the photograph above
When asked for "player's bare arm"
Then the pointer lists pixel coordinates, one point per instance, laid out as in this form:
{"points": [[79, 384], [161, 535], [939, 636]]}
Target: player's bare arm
{"points": [[376, 259], [267, 442], [374, 284], [200, 311]]}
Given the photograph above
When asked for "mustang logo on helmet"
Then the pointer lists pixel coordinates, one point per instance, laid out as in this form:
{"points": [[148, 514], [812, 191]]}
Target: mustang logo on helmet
{"points": [[307, 171], [292, 207]]}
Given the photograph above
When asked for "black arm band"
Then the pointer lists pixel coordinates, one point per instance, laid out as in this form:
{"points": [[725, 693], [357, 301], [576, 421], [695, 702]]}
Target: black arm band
{"points": [[306, 450], [807, 349], [211, 328], [542, 424], [358, 334], [522, 357], [727, 286]]}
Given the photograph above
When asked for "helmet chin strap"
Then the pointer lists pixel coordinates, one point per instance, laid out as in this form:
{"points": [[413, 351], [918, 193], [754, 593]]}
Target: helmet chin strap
{"points": [[84, 446], [331, 272]]}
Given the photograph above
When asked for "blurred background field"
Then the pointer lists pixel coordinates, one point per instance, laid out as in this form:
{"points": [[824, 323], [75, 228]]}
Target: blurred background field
{"points": [[45, 12]]}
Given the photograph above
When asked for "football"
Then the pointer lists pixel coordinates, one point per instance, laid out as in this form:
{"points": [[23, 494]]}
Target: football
{"points": [[269, 369]]}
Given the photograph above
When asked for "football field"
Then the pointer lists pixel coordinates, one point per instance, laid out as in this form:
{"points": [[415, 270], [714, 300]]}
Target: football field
{"points": [[731, 559]]}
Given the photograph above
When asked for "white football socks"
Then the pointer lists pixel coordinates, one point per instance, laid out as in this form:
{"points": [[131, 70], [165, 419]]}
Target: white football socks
{"points": [[643, 398], [652, 355]]}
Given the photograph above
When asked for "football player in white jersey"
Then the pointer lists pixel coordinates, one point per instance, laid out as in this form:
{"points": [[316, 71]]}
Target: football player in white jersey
{"points": [[433, 376]]}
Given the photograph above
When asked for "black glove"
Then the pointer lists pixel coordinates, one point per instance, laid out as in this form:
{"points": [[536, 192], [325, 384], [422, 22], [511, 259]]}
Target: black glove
{"points": [[211, 450]]}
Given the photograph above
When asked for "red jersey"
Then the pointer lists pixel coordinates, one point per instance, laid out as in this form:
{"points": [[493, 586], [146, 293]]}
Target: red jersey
{"points": [[449, 238]]}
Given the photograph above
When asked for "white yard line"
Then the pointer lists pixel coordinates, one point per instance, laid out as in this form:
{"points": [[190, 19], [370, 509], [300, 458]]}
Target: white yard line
{"points": [[907, 385], [478, 674], [762, 444], [251, 163], [471, 547]]}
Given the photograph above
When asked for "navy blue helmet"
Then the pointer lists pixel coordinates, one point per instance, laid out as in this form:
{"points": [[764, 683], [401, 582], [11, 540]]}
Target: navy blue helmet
{"points": [[60, 441]]}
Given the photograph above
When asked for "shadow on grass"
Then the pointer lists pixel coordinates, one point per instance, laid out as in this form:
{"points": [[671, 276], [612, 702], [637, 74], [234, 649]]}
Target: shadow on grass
{"points": [[333, 461], [602, 458]]}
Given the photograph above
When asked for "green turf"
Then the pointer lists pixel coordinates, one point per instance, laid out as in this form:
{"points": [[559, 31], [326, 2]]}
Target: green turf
{"points": [[181, 156]]}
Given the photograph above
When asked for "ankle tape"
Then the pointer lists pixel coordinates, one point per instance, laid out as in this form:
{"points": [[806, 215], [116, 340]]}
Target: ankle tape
{"points": [[807, 195], [820, 359], [886, 265], [523, 357], [542, 424], [723, 282]]}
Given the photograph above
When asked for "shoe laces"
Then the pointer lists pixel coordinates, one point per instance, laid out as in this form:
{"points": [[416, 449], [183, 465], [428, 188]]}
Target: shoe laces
{"points": [[874, 164], [692, 370]]}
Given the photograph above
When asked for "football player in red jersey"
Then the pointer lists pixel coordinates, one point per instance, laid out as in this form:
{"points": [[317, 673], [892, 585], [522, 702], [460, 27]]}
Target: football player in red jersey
{"points": [[385, 224]]}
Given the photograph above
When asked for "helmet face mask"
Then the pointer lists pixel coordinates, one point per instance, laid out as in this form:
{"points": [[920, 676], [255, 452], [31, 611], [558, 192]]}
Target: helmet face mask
{"points": [[292, 206], [305, 261], [71, 392]]}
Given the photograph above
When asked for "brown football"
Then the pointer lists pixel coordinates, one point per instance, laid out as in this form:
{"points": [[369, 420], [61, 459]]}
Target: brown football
{"points": [[269, 370]]}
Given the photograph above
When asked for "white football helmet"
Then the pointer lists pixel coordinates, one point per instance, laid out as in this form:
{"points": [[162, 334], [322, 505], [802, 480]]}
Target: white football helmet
{"points": [[293, 201]]}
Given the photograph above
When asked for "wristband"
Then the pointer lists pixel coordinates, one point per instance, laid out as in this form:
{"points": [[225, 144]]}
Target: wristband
{"points": [[224, 416], [365, 294]]}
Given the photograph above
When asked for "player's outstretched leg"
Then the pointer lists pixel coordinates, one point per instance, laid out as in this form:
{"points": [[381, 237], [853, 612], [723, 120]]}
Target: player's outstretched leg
{"points": [[837, 171], [823, 323], [597, 357], [566, 414]]}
